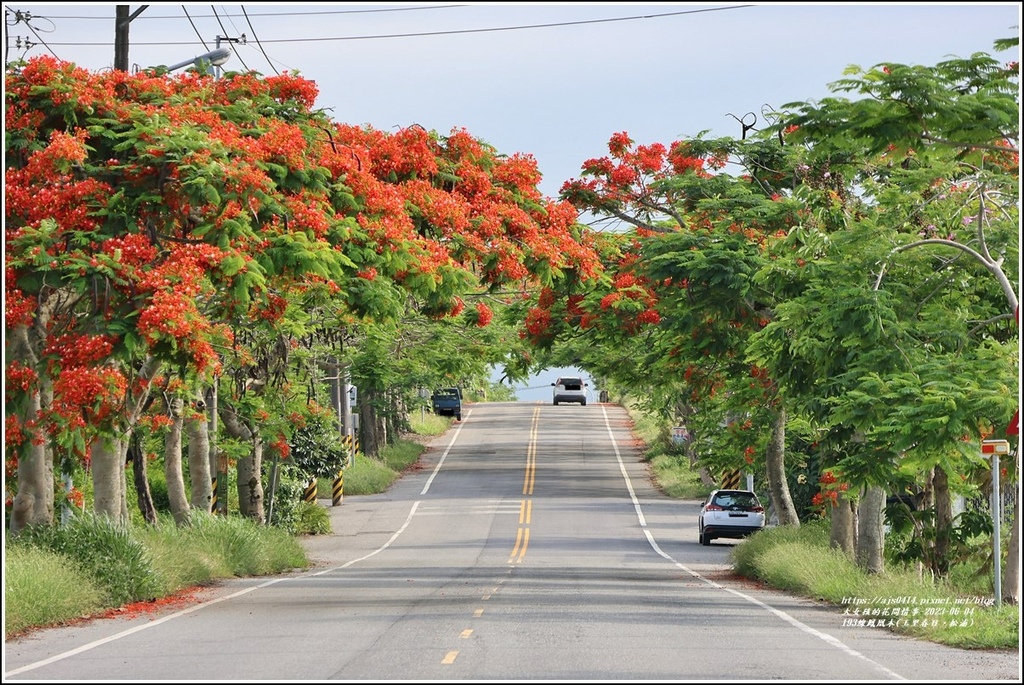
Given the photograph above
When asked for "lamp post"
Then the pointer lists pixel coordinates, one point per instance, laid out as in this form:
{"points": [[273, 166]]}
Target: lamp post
{"points": [[213, 57]]}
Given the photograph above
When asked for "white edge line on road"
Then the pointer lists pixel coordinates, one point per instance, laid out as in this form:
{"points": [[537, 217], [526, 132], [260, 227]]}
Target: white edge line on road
{"points": [[636, 505], [448, 449], [835, 642], [136, 629], [197, 607]]}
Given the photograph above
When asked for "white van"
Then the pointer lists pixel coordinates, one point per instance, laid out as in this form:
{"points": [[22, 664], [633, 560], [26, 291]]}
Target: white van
{"points": [[569, 389]]}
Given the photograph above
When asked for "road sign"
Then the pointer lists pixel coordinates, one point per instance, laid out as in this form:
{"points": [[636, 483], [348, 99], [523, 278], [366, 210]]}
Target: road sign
{"points": [[680, 435], [995, 447]]}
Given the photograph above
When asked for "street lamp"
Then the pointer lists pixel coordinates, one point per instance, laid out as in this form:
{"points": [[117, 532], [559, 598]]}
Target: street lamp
{"points": [[215, 57]]}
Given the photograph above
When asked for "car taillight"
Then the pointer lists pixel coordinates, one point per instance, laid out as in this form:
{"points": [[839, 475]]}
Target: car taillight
{"points": [[758, 509], [713, 507]]}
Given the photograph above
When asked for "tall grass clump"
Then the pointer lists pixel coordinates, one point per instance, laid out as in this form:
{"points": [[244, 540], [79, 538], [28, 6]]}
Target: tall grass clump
{"points": [[118, 563], [312, 519], [180, 556], [821, 573], [676, 479], [42, 588], [369, 476], [401, 454], [429, 424], [246, 547]]}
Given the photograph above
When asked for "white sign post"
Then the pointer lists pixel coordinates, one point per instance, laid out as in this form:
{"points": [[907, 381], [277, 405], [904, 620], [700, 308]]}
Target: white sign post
{"points": [[995, 448]]}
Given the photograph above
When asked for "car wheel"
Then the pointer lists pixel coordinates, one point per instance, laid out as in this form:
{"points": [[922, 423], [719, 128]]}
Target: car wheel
{"points": [[555, 403], [583, 403], [705, 539], [458, 417]]}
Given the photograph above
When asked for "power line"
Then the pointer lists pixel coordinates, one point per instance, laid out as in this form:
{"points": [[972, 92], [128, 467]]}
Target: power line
{"points": [[225, 32], [267, 14], [444, 33], [255, 38], [193, 25]]}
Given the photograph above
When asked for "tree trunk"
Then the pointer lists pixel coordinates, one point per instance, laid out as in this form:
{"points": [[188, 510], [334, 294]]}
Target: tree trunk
{"points": [[172, 465], [1011, 578], [871, 533], [778, 487], [110, 498], [943, 521], [33, 503], [199, 458], [369, 434], [110, 492], [250, 481], [843, 533], [139, 472]]}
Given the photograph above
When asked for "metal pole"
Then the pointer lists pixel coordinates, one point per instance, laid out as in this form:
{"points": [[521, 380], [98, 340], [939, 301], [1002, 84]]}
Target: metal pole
{"points": [[996, 516], [346, 402]]}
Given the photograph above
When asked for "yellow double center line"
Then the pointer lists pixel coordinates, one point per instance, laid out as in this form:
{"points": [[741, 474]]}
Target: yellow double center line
{"points": [[526, 505]]}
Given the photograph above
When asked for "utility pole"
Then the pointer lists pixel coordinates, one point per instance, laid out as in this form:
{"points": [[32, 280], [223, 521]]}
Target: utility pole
{"points": [[122, 19]]}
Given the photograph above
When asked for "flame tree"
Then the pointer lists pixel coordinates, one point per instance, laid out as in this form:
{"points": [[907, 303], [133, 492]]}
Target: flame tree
{"points": [[158, 226]]}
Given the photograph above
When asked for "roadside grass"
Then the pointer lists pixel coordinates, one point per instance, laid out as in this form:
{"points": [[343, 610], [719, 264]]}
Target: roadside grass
{"points": [[62, 573], [669, 465], [369, 475], [799, 560], [45, 588]]}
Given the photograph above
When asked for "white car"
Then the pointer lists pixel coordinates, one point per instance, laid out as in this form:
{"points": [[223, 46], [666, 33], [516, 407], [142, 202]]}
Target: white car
{"points": [[729, 514], [569, 389]]}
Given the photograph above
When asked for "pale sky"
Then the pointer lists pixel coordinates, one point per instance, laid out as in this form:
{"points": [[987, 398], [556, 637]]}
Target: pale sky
{"points": [[552, 80]]}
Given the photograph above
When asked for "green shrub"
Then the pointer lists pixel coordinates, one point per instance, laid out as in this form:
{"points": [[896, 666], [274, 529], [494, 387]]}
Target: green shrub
{"points": [[117, 561], [288, 496], [315, 447]]}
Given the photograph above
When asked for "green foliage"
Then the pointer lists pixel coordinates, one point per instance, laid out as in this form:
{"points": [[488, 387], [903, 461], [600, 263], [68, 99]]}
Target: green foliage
{"points": [[316, 447], [248, 548], [288, 497], [118, 563], [676, 479], [312, 519], [800, 560], [368, 475], [42, 587], [915, 536]]}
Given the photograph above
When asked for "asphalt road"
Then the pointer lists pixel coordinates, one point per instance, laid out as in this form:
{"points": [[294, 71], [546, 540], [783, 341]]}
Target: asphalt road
{"points": [[529, 545]]}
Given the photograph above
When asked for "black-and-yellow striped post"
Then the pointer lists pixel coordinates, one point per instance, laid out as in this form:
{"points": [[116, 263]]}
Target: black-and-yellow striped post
{"points": [[213, 488], [338, 491], [310, 494], [731, 479]]}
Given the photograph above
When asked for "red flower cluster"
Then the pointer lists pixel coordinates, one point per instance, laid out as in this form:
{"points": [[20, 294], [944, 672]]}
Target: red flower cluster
{"points": [[484, 314]]}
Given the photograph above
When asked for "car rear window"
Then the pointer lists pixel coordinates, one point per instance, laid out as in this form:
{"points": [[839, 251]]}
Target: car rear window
{"points": [[736, 499], [571, 383]]}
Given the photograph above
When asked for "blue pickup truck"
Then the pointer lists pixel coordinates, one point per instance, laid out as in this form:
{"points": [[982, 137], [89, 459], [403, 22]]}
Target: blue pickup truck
{"points": [[447, 402]]}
